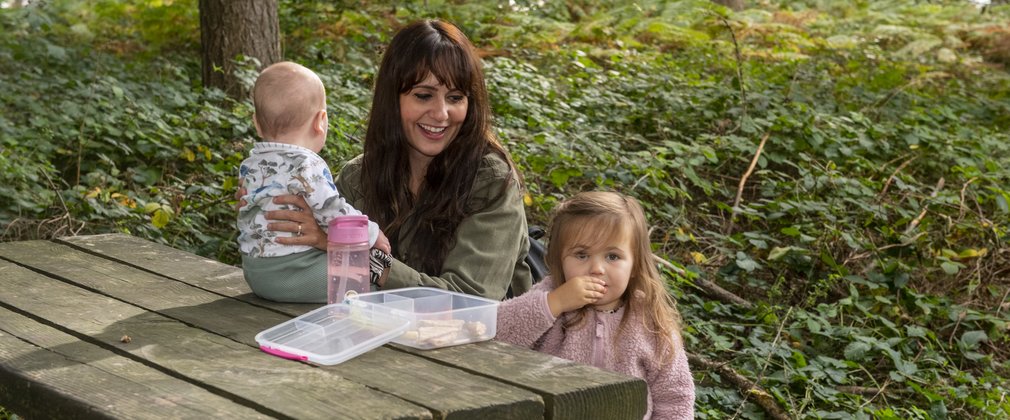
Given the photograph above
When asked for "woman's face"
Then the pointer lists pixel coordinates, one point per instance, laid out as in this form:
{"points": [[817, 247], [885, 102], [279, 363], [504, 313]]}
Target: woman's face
{"points": [[431, 115]]}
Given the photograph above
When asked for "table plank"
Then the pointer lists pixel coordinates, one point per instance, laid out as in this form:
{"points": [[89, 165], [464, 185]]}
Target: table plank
{"points": [[270, 385], [447, 392], [39, 363], [207, 274], [569, 390], [163, 259]]}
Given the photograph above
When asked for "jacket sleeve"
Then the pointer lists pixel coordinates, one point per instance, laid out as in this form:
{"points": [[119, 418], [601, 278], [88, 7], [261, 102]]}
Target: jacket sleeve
{"points": [[349, 181], [488, 242], [524, 319], [672, 386]]}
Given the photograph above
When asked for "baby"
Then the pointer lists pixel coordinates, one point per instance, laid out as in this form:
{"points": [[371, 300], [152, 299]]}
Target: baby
{"points": [[290, 118]]}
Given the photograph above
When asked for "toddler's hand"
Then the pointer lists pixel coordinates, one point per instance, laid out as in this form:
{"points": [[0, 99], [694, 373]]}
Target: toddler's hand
{"points": [[574, 294]]}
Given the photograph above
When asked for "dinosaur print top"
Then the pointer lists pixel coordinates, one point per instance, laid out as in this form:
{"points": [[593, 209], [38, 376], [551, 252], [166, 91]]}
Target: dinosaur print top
{"points": [[273, 169]]}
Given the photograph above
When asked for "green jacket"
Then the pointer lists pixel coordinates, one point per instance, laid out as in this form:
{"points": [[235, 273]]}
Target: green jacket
{"points": [[490, 249]]}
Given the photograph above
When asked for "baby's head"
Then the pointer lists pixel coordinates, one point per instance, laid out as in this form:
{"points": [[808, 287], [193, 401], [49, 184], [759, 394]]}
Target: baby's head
{"points": [[290, 103]]}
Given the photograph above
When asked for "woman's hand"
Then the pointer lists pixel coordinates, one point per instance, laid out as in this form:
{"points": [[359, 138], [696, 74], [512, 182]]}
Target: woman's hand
{"points": [[574, 294], [300, 222], [239, 193]]}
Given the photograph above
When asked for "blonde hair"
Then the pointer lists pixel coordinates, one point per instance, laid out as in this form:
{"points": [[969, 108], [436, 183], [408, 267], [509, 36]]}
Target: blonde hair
{"points": [[592, 217], [286, 96]]}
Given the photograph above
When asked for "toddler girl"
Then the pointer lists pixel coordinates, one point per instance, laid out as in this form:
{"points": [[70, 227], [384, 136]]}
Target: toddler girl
{"points": [[606, 305]]}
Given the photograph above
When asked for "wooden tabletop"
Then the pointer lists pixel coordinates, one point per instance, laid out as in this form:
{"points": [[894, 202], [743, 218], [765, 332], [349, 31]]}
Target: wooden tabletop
{"points": [[113, 326]]}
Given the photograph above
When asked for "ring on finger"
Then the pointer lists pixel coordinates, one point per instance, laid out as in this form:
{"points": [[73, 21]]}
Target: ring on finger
{"points": [[299, 230]]}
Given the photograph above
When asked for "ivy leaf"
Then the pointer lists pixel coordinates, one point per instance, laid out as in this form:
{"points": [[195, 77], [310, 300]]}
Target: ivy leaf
{"points": [[950, 267], [698, 257], [1001, 203], [856, 351], [710, 154], [906, 367], [938, 410], [813, 325], [799, 359], [778, 252], [915, 331], [970, 339], [973, 356], [791, 231], [900, 280], [745, 262], [56, 52], [973, 253], [161, 214]]}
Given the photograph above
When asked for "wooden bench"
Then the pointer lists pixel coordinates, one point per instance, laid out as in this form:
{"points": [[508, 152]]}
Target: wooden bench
{"points": [[113, 326]]}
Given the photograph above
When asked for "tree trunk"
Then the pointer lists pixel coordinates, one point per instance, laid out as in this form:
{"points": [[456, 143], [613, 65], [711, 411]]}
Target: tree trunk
{"points": [[230, 28], [736, 5]]}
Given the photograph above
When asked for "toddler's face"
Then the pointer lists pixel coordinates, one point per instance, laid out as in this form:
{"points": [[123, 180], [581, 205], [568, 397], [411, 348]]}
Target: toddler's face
{"points": [[608, 259]]}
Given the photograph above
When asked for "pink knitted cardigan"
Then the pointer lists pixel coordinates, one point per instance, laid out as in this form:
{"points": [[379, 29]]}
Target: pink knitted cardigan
{"points": [[526, 321]]}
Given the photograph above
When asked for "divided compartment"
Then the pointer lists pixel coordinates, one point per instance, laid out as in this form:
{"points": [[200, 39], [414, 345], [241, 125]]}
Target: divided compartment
{"points": [[332, 334], [439, 318]]}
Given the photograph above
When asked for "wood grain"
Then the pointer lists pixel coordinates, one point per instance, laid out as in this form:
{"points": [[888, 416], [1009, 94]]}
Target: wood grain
{"points": [[569, 390], [40, 363], [444, 391], [234, 370]]}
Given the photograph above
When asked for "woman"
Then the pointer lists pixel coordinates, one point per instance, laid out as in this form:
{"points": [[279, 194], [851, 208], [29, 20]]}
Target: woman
{"points": [[433, 175]]}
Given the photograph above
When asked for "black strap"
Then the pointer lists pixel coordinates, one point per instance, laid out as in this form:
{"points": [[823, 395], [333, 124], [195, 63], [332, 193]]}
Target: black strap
{"points": [[378, 262], [535, 259]]}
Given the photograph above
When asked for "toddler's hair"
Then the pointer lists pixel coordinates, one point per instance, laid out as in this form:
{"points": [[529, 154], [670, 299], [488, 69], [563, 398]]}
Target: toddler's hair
{"points": [[286, 95], [596, 216]]}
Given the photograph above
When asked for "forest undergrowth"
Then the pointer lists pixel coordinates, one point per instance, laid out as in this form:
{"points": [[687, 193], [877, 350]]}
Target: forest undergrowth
{"points": [[828, 181]]}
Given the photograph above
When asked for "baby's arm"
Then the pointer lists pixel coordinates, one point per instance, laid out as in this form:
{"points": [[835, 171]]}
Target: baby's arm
{"points": [[323, 195], [327, 203], [574, 294], [382, 243]]}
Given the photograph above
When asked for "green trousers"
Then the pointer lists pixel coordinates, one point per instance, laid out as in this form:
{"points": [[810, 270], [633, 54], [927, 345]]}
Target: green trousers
{"points": [[297, 277]]}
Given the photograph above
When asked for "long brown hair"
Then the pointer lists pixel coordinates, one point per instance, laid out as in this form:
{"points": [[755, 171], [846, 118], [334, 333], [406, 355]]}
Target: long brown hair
{"points": [[419, 49], [592, 217]]}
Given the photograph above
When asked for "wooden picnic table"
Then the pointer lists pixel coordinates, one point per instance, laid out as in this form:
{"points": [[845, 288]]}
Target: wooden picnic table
{"points": [[114, 326]]}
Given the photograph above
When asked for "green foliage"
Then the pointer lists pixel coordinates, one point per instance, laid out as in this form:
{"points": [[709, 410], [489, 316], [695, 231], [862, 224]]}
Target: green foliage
{"points": [[871, 232], [111, 145]]}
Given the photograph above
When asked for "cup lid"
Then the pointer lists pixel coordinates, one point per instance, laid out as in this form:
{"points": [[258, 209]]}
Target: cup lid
{"points": [[348, 229]]}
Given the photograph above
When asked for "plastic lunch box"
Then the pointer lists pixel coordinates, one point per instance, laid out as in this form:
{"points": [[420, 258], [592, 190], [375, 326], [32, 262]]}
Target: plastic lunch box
{"points": [[419, 317], [438, 318]]}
